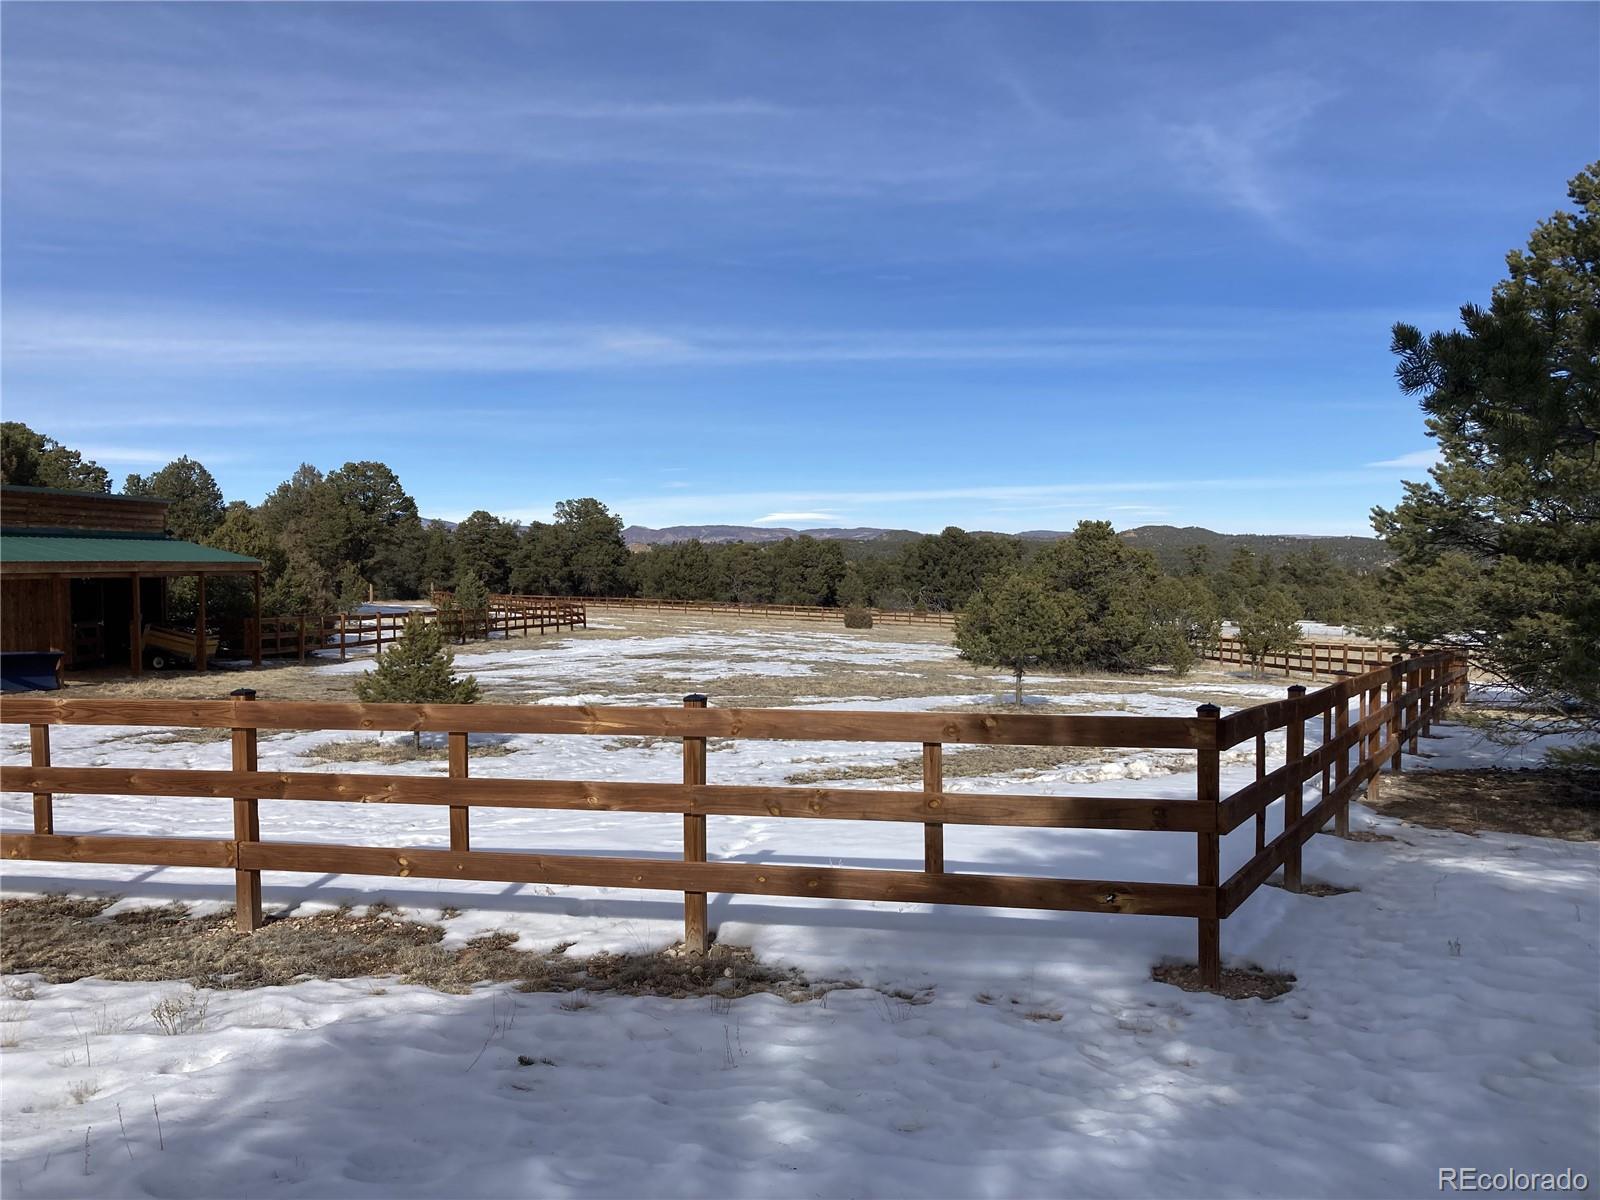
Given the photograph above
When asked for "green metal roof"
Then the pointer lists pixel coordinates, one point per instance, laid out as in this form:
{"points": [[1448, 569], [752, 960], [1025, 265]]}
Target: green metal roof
{"points": [[96, 547]]}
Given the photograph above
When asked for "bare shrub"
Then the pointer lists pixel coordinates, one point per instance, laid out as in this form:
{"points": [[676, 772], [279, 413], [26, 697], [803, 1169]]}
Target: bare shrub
{"points": [[181, 1012], [82, 1089], [12, 1017]]}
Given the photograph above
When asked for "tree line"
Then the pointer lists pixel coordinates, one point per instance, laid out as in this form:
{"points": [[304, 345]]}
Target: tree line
{"points": [[327, 538]]}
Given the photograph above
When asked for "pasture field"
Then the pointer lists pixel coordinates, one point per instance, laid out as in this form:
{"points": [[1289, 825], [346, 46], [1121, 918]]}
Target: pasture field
{"points": [[411, 1037]]}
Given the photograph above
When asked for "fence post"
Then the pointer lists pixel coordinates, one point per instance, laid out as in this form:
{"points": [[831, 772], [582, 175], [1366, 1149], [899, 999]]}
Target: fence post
{"points": [[44, 814], [341, 637], [1294, 750], [1428, 680], [1208, 867], [246, 827], [1397, 688], [1374, 743], [933, 831], [1341, 769], [460, 828], [302, 637], [695, 934]]}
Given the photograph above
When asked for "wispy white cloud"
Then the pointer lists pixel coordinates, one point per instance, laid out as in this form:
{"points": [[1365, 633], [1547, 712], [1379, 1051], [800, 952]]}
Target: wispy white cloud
{"points": [[1237, 146], [1417, 458], [789, 518], [190, 342], [148, 456]]}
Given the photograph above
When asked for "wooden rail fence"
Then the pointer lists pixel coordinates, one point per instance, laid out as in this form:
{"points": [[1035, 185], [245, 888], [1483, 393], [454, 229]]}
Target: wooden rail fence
{"points": [[1309, 658], [1393, 706], [798, 612], [281, 637]]}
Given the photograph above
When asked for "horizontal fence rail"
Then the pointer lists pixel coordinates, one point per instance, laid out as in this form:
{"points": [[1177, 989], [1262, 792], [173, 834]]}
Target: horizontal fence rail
{"points": [[1366, 721], [1307, 658]]}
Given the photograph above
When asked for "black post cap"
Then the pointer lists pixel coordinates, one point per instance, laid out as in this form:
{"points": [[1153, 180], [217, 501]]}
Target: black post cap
{"points": [[1208, 710], [244, 693]]}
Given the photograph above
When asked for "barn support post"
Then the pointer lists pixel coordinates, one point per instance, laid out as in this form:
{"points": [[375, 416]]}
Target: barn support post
{"points": [[1208, 866], [255, 642], [135, 627], [246, 826], [61, 594], [696, 936], [200, 624]]}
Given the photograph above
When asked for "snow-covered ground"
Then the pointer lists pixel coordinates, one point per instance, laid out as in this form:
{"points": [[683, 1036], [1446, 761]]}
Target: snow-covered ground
{"points": [[1444, 1015]]}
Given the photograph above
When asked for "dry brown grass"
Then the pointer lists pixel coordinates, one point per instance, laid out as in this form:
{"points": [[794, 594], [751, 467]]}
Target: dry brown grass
{"points": [[969, 762], [1248, 983], [1549, 802], [390, 751], [1319, 890], [64, 939]]}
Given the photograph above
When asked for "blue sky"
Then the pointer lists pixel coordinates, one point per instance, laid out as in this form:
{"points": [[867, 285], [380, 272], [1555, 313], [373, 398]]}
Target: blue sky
{"points": [[1005, 267]]}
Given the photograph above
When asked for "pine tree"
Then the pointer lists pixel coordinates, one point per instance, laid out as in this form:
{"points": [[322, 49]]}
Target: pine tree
{"points": [[1500, 551], [418, 669]]}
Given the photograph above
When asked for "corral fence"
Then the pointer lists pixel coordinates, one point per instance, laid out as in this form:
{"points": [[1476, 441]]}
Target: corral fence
{"points": [[1366, 720], [796, 612], [507, 616], [1307, 658]]}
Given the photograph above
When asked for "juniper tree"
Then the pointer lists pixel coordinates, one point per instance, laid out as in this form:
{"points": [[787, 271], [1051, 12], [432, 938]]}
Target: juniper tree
{"points": [[471, 602], [1019, 623], [1115, 587], [417, 669], [1269, 623]]}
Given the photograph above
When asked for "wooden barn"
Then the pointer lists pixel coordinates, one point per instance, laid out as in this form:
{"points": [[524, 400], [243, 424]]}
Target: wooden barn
{"points": [[87, 574]]}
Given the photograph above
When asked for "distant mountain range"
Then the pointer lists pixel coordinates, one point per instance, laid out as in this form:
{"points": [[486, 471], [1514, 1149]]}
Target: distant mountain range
{"points": [[1166, 542], [639, 535]]}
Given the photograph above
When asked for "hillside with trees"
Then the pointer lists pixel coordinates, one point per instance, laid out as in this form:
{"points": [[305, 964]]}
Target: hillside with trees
{"points": [[327, 538]]}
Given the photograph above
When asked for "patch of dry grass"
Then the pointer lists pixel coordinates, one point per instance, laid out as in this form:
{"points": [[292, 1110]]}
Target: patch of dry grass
{"points": [[399, 750], [969, 762], [1549, 802], [1319, 890], [64, 939], [1248, 983]]}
